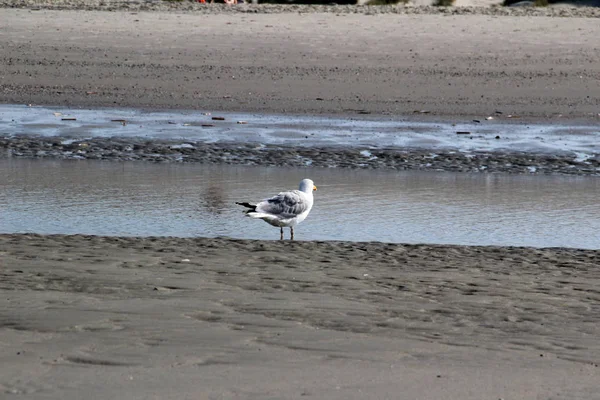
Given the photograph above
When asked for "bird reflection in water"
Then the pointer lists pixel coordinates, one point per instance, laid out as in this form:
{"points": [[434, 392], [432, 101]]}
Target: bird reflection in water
{"points": [[213, 200]]}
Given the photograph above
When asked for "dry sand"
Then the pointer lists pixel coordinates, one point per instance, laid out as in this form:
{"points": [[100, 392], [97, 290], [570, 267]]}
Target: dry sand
{"points": [[166, 318], [465, 65], [117, 318]]}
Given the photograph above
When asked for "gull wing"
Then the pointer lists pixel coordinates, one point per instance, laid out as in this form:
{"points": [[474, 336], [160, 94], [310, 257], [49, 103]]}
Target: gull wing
{"points": [[285, 204]]}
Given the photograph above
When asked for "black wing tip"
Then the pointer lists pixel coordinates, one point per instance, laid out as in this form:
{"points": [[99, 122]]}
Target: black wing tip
{"points": [[252, 207]]}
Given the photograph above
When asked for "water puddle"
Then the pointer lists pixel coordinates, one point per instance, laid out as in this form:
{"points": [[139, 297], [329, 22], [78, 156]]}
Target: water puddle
{"points": [[499, 134], [106, 198]]}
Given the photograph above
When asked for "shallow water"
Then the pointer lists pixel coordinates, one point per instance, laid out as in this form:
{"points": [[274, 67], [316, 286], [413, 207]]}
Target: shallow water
{"points": [[108, 198], [498, 134]]}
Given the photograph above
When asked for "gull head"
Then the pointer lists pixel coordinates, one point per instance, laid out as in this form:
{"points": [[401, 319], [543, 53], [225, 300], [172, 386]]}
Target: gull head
{"points": [[307, 186]]}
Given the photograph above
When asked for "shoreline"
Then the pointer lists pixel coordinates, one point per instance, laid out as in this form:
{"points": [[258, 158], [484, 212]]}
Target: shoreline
{"points": [[171, 151], [498, 144]]}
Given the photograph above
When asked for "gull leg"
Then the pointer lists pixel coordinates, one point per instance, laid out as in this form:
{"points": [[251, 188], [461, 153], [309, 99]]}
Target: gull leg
{"points": [[281, 236], [292, 232]]}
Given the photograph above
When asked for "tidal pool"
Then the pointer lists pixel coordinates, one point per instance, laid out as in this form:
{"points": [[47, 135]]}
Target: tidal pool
{"points": [[137, 198]]}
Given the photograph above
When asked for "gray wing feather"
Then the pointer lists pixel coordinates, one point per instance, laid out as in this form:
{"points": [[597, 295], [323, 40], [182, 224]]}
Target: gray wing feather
{"points": [[285, 204]]}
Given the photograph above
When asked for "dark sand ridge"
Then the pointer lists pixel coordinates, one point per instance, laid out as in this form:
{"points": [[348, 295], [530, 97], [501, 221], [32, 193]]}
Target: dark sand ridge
{"points": [[449, 65], [217, 318], [163, 151]]}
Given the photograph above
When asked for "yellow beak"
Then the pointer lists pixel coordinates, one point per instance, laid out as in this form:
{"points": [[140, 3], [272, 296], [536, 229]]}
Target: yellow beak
{"points": [[314, 187]]}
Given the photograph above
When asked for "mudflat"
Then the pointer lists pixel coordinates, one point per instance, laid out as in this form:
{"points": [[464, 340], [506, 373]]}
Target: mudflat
{"points": [[303, 62]]}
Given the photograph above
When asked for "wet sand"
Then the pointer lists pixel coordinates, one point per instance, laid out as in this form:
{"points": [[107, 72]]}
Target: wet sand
{"points": [[217, 318], [171, 151]]}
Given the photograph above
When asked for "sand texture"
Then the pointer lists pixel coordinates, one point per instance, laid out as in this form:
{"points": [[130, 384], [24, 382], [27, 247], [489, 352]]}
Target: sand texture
{"points": [[566, 8], [170, 318], [468, 65]]}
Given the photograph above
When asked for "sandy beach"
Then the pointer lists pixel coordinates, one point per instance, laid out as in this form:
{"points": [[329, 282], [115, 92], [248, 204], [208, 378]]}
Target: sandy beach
{"points": [[304, 63], [171, 318]]}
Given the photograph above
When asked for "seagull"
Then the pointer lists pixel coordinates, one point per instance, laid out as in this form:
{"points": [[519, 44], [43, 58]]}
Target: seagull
{"points": [[285, 209]]}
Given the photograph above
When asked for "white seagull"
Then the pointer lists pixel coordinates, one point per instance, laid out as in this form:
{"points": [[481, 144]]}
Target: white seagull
{"points": [[286, 209]]}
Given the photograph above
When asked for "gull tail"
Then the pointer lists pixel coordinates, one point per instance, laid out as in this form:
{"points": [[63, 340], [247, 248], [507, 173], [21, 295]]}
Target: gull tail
{"points": [[251, 207]]}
